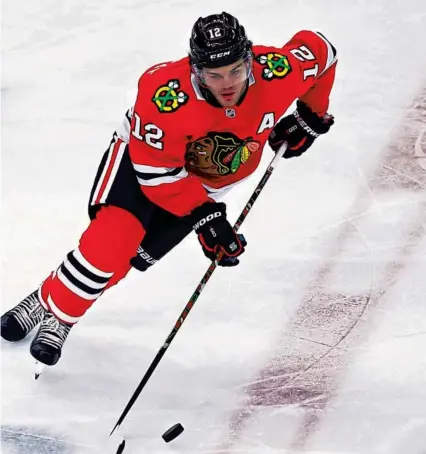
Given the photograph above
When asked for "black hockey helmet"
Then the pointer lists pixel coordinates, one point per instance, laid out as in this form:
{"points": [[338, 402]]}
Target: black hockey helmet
{"points": [[218, 40]]}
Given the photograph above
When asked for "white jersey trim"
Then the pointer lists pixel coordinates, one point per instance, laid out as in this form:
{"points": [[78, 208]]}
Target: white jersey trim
{"points": [[165, 179], [104, 171], [114, 171], [331, 56], [150, 169], [123, 130], [217, 193]]}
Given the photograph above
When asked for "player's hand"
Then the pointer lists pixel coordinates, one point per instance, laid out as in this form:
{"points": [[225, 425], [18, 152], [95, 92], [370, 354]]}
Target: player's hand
{"points": [[216, 233], [299, 130], [225, 260], [143, 259]]}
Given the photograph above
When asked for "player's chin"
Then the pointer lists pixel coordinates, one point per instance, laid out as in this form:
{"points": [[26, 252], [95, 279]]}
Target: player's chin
{"points": [[228, 101]]}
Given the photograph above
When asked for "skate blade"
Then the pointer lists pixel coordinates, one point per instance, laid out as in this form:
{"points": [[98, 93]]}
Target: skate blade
{"points": [[38, 369]]}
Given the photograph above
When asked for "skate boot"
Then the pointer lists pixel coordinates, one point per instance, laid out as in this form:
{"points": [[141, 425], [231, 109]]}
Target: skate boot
{"points": [[23, 318], [46, 346]]}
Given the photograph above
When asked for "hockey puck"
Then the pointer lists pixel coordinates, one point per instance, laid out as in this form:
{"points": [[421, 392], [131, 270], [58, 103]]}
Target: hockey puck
{"points": [[173, 432]]}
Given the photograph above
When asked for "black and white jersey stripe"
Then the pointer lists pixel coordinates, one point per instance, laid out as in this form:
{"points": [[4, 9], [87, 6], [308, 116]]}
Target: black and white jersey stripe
{"points": [[129, 114], [154, 176], [123, 130], [331, 52], [81, 277]]}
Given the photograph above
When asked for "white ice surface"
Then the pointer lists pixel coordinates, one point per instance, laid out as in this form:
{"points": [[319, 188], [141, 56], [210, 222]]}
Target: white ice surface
{"points": [[69, 69]]}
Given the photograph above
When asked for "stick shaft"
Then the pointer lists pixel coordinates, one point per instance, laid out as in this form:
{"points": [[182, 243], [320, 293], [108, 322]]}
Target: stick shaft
{"points": [[207, 275]]}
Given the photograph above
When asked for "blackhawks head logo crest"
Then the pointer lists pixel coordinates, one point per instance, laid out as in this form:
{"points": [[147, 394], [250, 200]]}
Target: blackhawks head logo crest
{"points": [[219, 153], [168, 98], [276, 65]]}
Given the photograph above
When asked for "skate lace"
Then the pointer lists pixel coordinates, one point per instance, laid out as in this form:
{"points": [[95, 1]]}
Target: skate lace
{"points": [[53, 332], [29, 312]]}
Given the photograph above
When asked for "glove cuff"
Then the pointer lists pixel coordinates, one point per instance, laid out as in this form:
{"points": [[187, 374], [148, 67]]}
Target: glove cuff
{"points": [[206, 213], [310, 122]]}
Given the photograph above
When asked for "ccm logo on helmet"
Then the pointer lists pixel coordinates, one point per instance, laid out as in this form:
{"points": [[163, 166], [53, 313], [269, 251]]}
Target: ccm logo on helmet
{"points": [[220, 55], [208, 218]]}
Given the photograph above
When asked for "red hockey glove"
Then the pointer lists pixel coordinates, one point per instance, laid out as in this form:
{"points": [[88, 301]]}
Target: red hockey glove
{"points": [[215, 233], [299, 130]]}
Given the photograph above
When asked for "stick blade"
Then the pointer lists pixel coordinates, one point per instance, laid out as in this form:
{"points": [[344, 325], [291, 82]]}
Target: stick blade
{"points": [[121, 447], [116, 443]]}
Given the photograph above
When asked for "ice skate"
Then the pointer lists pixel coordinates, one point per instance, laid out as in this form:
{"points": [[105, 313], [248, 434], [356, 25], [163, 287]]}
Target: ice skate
{"points": [[18, 322], [46, 346]]}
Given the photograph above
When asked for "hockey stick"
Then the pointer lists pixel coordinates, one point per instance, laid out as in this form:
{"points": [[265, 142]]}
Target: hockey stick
{"points": [[196, 294]]}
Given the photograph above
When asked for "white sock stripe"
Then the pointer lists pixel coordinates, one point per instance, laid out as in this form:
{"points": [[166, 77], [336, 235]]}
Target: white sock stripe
{"points": [[75, 289], [82, 278], [40, 297], [114, 171], [61, 315], [80, 258]]}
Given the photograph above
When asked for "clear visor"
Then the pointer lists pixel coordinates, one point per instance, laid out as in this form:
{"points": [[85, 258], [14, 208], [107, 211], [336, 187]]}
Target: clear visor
{"points": [[228, 75]]}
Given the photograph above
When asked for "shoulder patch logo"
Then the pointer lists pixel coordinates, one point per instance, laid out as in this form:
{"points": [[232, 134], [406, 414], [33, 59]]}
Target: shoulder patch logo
{"points": [[277, 65], [168, 98]]}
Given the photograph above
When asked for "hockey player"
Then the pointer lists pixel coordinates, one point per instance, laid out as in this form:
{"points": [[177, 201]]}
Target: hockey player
{"points": [[198, 127]]}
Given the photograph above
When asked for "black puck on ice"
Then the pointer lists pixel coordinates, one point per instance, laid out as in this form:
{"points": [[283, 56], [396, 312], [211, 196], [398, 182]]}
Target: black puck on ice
{"points": [[173, 432]]}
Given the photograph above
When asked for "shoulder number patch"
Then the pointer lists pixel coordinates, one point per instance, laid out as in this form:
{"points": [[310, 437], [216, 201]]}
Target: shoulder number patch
{"points": [[168, 98], [276, 65]]}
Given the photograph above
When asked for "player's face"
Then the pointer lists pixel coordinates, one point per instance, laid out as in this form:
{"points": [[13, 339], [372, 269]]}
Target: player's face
{"points": [[227, 82]]}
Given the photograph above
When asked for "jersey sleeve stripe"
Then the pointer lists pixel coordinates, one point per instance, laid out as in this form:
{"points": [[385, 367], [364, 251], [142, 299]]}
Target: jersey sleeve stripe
{"points": [[129, 114], [112, 171], [123, 130], [115, 154], [217, 193], [331, 52]]}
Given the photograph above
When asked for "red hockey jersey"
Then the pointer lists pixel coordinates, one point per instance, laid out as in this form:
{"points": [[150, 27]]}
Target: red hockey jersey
{"points": [[185, 150]]}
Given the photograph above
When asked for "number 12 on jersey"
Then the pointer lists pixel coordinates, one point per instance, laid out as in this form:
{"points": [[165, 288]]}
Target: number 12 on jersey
{"points": [[302, 53], [152, 133]]}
